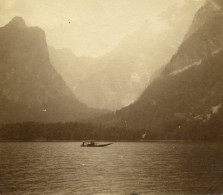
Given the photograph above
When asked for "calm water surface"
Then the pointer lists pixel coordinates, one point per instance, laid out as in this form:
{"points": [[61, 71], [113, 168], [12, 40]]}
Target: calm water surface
{"points": [[122, 168]]}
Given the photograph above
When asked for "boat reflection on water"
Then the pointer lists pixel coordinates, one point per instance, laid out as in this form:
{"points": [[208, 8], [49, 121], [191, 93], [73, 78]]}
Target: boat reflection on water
{"points": [[93, 144]]}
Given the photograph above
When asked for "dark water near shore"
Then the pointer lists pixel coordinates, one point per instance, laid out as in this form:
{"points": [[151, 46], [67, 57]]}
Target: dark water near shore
{"points": [[122, 168]]}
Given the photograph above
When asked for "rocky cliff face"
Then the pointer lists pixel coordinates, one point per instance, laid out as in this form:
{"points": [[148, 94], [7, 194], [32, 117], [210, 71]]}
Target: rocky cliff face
{"points": [[31, 90], [72, 68], [203, 40], [202, 44], [119, 78], [211, 9], [188, 90]]}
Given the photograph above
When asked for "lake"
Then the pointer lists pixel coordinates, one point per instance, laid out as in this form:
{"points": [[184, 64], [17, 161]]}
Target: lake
{"points": [[119, 169]]}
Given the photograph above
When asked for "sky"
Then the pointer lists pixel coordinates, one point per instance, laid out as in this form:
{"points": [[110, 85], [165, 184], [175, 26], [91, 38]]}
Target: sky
{"points": [[88, 27]]}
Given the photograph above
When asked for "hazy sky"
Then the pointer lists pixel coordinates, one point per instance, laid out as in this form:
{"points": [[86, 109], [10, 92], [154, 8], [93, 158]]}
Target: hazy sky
{"points": [[88, 27]]}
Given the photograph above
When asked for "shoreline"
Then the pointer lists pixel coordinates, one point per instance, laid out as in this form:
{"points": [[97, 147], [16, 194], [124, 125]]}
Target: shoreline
{"points": [[116, 141]]}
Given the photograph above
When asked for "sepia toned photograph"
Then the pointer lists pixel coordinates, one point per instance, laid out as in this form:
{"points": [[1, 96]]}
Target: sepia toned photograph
{"points": [[111, 97]]}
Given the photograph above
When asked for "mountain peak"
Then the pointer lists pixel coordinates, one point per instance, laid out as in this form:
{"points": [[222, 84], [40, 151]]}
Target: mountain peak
{"points": [[17, 21], [210, 10]]}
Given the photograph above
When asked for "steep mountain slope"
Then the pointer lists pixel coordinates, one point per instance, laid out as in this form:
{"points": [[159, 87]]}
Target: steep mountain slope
{"points": [[206, 41], [189, 95], [188, 91], [31, 90], [211, 9], [118, 78], [72, 68]]}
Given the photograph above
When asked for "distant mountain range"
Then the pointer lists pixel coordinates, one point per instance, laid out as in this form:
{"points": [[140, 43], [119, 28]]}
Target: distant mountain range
{"points": [[118, 78], [31, 89], [186, 96], [183, 100]]}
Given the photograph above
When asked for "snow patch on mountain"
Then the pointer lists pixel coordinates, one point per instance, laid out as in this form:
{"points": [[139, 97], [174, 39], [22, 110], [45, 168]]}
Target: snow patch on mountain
{"points": [[215, 109], [207, 116], [199, 117], [216, 51], [197, 63]]}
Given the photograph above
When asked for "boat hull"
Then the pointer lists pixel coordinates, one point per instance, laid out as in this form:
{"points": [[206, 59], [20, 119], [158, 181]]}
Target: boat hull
{"points": [[96, 145]]}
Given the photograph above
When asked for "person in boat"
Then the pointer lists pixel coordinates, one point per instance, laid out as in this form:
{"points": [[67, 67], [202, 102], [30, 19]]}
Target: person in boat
{"points": [[83, 143]]}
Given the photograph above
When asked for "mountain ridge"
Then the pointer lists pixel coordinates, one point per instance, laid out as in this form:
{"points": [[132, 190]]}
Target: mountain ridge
{"points": [[186, 96], [30, 82], [118, 78]]}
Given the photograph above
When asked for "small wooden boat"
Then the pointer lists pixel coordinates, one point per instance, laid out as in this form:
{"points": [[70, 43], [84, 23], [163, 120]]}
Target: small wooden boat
{"points": [[93, 144]]}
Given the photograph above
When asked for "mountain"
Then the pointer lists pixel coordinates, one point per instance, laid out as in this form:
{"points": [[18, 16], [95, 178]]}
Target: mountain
{"points": [[206, 41], [211, 9], [31, 90], [72, 68], [118, 78], [127, 71], [185, 100]]}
